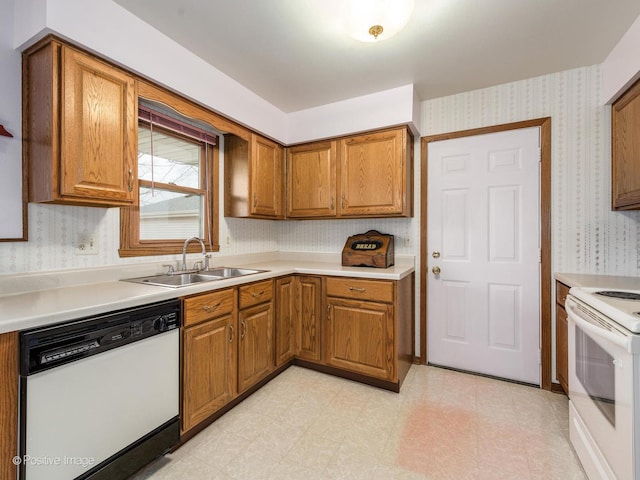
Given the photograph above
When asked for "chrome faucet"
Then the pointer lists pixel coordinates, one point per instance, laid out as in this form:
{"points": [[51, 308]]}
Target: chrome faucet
{"points": [[204, 252]]}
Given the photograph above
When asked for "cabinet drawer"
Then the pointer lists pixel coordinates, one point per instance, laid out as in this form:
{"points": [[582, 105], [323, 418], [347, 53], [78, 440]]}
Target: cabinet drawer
{"points": [[561, 293], [209, 305], [377, 290], [256, 293]]}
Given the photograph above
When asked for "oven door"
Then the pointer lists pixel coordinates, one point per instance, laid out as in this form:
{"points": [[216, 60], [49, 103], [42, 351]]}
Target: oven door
{"points": [[601, 393]]}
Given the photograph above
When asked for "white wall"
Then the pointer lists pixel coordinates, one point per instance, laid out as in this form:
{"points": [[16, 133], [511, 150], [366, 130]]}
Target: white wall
{"points": [[622, 65], [395, 106], [10, 117], [111, 31]]}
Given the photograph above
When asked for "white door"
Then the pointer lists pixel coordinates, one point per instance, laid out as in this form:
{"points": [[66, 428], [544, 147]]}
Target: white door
{"points": [[483, 308]]}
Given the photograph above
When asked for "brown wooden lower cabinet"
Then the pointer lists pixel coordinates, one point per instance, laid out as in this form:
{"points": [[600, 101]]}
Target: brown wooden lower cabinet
{"points": [[344, 324], [308, 317], [9, 373], [209, 369], [285, 347], [358, 328], [562, 360], [209, 355], [360, 337], [255, 344], [298, 317], [562, 338], [370, 326]]}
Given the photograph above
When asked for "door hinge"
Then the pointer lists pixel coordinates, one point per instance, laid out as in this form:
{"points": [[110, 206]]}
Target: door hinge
{"points": [[539, 255]]}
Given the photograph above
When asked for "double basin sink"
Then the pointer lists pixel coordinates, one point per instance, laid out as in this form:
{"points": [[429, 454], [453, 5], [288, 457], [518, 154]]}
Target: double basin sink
{"points": [[184, 279]]}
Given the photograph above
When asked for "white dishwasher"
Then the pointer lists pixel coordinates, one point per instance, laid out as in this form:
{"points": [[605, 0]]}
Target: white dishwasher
{"points": [[99, 397]]}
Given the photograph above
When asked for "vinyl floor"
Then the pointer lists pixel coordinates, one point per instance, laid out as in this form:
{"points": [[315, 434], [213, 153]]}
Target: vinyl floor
{"points": [[442, 425]]}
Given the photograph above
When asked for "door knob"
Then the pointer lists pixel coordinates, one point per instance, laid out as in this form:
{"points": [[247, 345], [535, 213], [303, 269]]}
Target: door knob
{"points": [[435, 254], [436, 270]]}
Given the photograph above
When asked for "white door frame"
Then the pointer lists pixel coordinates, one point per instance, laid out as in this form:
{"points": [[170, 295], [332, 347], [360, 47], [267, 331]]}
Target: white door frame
{"points": [[545, 237]]}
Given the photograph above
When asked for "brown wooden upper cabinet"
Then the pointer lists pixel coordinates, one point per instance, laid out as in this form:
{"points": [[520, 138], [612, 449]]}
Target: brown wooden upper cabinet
{"points": [[625, 166], [368, 175], [253, 177], [80, 128], [311, 180]]}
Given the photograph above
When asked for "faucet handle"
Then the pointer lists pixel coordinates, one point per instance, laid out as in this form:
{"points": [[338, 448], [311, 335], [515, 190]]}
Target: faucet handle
{"points": [[207, 257], [170, 271], [197, 265]]}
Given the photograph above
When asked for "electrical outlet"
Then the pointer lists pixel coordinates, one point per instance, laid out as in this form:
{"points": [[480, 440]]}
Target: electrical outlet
{"points": [[407, 241], [228, 240], [86, 244]]}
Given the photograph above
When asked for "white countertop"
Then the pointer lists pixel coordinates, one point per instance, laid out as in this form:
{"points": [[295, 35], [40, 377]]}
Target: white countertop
{"points": [[611, 282], [37, 299]]}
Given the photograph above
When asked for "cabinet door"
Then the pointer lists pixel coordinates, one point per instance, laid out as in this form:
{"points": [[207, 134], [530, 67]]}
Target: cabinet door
{"points": [[311, 180], [284, 321], [255, 347], [374, 174], [98, 151], [562, 347], [309, 309], [266, 178], [625, 150], [209, 368], [360, 337]]}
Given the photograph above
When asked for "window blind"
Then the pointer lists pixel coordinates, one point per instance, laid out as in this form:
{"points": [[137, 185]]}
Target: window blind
{"points": [[154, 117]]}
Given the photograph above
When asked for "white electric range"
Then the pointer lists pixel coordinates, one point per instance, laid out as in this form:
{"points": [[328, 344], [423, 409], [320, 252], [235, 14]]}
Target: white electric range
{"points": [[604, 380]]}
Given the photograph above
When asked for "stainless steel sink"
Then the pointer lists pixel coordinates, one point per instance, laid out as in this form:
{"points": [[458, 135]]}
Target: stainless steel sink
{"points": [[227, 272], [176, 280]]}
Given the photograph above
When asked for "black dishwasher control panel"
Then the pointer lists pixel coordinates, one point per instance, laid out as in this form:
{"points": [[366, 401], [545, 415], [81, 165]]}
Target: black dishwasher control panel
{"points": [[48, 347]]}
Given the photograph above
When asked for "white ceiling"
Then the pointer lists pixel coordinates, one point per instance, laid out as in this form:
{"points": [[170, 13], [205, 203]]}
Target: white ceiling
{"points": [[294, 54]]}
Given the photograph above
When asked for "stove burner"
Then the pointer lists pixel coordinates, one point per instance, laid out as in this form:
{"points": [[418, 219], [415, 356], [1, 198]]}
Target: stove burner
{"points": [[620, 295]]}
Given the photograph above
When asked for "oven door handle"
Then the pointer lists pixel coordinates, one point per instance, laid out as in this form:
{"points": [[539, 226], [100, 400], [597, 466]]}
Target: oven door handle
{"points": [[595, 329]]}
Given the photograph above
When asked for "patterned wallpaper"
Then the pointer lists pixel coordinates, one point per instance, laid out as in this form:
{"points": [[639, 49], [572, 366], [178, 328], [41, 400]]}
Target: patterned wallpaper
{"points": [[53, 232], [587, 237]]}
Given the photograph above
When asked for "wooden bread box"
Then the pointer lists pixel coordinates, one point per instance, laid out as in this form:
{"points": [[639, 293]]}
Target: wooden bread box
{"points": [[370, 249]]}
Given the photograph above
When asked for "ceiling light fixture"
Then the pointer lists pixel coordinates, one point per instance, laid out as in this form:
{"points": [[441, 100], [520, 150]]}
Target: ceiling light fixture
{"points": [[377, 20]]}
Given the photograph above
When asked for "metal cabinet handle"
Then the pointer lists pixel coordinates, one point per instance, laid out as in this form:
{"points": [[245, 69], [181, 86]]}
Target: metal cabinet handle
{"points": [[344, 202], [231, 333], [255, 200], [257, 294], [209, 308], [130, 180], [436, 270], [333, 203], [357, 289], [243, 330]]}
